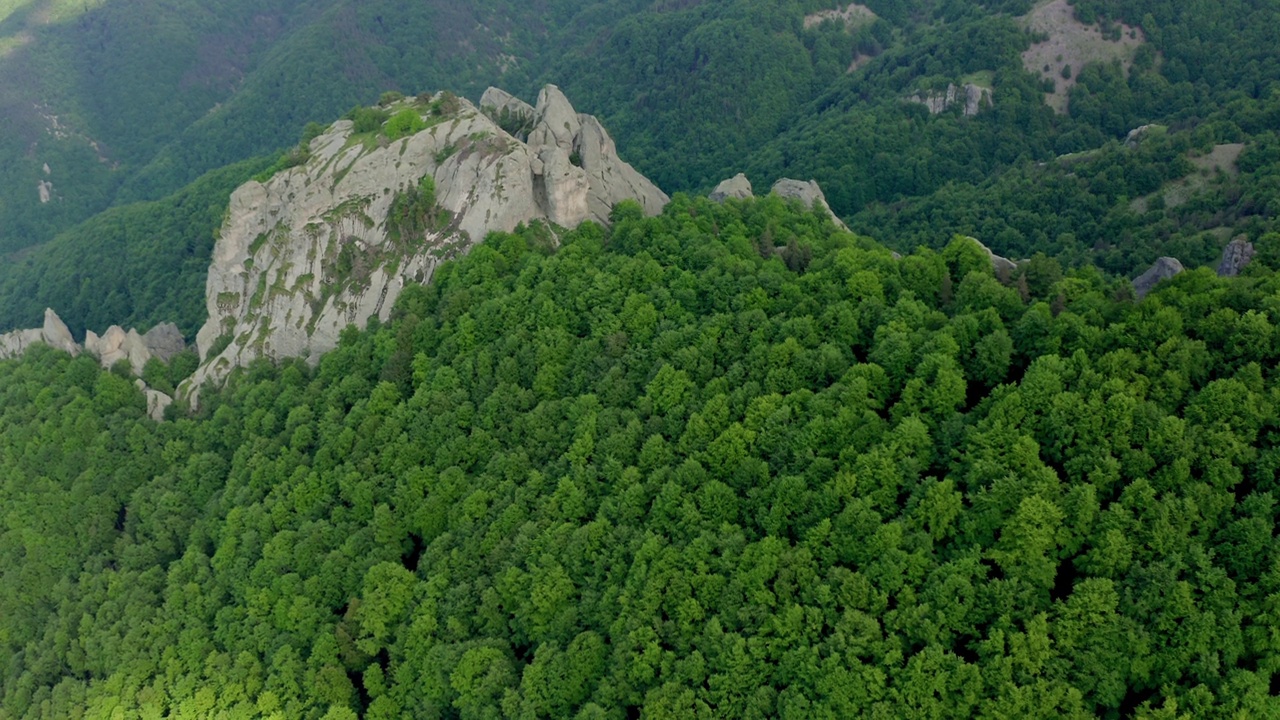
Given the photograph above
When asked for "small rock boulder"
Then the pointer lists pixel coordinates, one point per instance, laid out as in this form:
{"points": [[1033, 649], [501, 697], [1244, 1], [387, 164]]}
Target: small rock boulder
{"points": [[164, 341], [157, 401], [1236, 256], [1002, 266], [1162, 269], [737, 187], [808, 193]]}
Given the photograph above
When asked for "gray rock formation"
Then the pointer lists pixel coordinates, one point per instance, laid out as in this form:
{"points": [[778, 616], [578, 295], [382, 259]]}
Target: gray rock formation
{"points": [[53, 333], [495, 100], [117, 344], [1236, 256], [157, 401], [1162, 269], [555, 121], [561, 188], [45, 190], [276, 287], [163, 341], [808, 193], [1002, 266], [611, 179], [970, 96], [737, 187]]}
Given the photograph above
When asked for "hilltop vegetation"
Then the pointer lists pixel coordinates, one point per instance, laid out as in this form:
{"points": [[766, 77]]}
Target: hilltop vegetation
{"points": [[727, 462]]}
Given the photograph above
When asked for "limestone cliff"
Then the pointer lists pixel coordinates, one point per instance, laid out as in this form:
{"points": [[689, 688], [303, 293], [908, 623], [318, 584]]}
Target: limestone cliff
{"points": [[969, 96], [333, 241]]}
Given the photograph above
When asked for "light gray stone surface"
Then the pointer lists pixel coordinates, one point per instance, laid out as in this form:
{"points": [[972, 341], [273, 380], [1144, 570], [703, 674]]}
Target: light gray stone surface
{"points": [[274, 285], [808, 193], [737, 187]]}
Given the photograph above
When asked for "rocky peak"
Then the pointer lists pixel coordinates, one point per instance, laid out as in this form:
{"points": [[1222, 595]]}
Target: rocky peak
{"points": [[555, 122], [316, 247], [510, 112]]}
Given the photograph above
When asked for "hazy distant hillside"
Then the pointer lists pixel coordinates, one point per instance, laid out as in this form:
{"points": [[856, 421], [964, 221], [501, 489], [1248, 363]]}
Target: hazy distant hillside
{"points": [[130, 101]]}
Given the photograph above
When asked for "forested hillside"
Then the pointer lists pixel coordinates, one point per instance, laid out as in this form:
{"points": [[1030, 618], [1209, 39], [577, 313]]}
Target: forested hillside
{"points": [[732, 461], [727, 462]]}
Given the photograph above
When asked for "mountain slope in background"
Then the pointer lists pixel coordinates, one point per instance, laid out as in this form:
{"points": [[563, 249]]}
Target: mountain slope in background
{"points": [[125, 102]]}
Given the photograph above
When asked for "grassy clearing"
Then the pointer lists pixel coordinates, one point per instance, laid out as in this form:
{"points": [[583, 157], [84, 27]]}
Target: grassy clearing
{"points": [[1071, 45]]}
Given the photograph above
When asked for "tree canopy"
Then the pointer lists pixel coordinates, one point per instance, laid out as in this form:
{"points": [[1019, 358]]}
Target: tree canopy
{"points": [[726, 462]]}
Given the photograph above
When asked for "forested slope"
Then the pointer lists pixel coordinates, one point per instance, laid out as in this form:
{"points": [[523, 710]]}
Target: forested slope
{"points": [[726, 462]]}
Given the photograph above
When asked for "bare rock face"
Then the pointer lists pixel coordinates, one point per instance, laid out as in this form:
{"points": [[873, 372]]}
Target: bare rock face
{"points": [[970, 96], [53, 333], [737, 187], [315, 248], [611, 179], [555, 121], [560, 187], [808, 193], [1162, 269], [117, 344], [1236, 256]]}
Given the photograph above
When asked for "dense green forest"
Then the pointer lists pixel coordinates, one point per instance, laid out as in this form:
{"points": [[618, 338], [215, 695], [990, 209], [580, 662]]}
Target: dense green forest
{"points": [[727, 462]]}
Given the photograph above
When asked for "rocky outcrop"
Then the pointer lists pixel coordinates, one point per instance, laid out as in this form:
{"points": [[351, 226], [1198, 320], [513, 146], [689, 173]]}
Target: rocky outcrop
{"points": [[45, 190], [1162, 269], [157, 402], [163, 342], [507, 110], [315, 248], [1135, 136], [1236, 256], [737, 187], [969, 96], [53, 333], [1002, 266], [808, 193], [115, 345], [555, 121], [611, 180]]}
